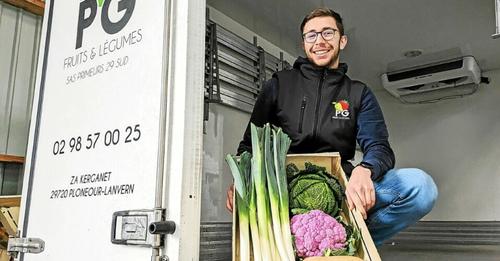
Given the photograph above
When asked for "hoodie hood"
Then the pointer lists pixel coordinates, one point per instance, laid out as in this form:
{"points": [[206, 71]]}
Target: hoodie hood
{"points": [[310, 71]]}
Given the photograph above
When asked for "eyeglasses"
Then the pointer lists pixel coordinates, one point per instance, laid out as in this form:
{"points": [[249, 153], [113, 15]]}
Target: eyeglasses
{"points": [[327, 34]]}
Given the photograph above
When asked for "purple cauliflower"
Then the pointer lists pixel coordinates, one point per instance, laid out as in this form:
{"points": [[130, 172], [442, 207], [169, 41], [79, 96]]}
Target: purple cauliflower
{"points": [[316, 232]]}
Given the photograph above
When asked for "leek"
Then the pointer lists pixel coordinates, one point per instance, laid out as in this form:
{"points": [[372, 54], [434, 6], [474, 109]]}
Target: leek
{"points": [[281, 144], [258, 172], [262, 197], [254, 229], [240, 183], [274, 197]]}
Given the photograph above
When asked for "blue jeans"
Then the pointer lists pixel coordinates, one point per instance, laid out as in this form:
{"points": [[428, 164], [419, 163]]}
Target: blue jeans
{"points": [[403, 196]]}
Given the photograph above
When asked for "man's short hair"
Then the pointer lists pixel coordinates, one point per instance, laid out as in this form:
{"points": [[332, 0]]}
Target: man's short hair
{"points": [[321, 12]]}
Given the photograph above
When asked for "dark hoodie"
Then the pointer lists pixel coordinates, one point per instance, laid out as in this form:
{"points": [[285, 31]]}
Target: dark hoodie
{"points": [[323, 110]]}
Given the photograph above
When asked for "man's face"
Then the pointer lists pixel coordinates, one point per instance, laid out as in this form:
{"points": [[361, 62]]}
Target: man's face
{"points": [[323, 53]]}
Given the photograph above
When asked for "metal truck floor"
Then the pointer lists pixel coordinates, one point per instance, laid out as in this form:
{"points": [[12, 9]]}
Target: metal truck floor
{"points": [[439, 252]]}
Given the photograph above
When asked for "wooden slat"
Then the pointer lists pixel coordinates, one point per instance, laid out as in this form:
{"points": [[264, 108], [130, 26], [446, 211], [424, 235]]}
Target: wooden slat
{"points": [[11, 159], [10, 201], [32, 6], [4, 256], [8, 218]]}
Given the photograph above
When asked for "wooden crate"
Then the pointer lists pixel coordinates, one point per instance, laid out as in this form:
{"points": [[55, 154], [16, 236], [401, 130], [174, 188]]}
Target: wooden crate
{"points": [[331, 161], [4, 256], [9, 215]]}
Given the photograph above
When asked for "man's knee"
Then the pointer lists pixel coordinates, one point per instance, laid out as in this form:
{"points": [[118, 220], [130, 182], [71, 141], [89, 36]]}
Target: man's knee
{"points": [[421, 189]]}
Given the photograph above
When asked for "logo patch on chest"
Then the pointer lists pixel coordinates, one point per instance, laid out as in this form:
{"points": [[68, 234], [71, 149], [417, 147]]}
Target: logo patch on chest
{"points": [[341, 110]]}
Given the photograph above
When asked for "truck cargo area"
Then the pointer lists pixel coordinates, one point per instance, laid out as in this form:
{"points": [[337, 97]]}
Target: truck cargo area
{"points": [[434, 67]]}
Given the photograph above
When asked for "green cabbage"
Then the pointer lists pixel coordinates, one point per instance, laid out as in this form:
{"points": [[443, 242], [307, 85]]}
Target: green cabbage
{"points": [[313, 188]]}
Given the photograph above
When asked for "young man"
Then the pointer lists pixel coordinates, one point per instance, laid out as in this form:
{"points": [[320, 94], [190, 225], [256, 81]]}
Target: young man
{"points": [[323, 110]]}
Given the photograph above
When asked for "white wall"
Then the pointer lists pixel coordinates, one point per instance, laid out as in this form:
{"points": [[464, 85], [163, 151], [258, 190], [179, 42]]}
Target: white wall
{"points": [[458, 143]]}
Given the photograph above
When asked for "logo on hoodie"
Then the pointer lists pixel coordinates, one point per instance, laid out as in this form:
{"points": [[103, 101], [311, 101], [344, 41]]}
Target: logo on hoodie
{"points": [[341, 110]]}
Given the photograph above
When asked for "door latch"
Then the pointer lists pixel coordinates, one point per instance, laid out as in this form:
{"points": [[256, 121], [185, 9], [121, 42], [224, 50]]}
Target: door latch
{"points": [[18, 245], [140, 227]]}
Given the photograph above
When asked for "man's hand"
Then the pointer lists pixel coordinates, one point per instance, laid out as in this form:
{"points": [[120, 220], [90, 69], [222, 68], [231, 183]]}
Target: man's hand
{"points": [[229, 200], [360, 191]]}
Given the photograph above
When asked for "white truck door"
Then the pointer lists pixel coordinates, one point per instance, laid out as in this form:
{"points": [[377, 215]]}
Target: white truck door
{"points": [[110, 125]]}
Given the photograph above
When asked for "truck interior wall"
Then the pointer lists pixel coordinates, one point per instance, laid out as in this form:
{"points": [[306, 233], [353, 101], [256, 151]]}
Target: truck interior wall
{"points": [[223, 132], [456, 142], [245, 33], [20, 35]]}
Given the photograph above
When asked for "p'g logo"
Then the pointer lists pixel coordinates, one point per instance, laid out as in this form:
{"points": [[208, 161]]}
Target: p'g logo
{"points": [[84, 21], [342, 113], [341, 110]]}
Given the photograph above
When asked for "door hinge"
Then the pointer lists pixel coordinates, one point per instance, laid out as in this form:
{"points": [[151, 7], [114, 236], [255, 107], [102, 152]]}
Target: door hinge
{"points": [[30, 245], [142, 227]]}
